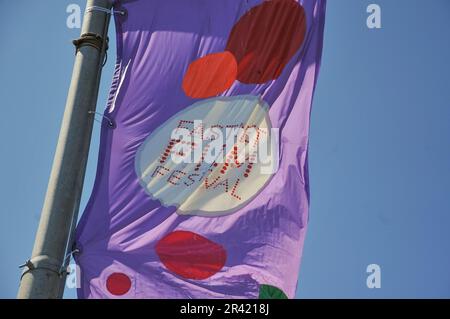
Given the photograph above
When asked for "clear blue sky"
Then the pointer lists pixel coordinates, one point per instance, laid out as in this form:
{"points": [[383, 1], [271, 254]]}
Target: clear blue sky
{"points": [[379, 151]]}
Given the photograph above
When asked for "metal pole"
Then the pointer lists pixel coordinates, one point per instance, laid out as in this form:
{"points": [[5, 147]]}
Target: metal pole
{"points": [[44, 274]]}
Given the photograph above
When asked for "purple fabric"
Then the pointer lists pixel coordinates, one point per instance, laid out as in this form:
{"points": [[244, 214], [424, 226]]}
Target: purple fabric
{"points": [[122, 223]]}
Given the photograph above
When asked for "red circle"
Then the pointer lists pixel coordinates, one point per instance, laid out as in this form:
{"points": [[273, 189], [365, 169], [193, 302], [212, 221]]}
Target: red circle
{"points": [[266, 38], [118, 283], [191, 255]]}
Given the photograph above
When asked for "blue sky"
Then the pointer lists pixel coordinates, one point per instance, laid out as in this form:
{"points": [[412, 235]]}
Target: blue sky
{"points": [[379, 148]]}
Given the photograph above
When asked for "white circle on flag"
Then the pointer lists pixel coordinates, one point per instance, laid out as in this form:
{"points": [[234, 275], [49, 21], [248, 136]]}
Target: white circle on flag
{"points": [[211, 158]]}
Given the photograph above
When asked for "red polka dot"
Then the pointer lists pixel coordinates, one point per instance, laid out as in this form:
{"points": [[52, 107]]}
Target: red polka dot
{"points": [[210, 75], [118, 283], [266, 38], [191, 255]]}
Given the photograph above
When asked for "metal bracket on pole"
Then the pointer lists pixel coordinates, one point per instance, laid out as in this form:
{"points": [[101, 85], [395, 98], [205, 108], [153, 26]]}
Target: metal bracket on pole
{"points": [[47, 263], [90, 39], [41, 262], [93, 40]]}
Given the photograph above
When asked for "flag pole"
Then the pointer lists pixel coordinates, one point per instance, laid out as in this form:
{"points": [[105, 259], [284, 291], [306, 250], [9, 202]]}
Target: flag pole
{"points": [[44, 272]]}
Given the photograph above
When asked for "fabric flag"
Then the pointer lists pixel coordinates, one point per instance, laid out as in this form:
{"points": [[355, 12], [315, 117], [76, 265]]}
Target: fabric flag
{"points": [[202, 181]]}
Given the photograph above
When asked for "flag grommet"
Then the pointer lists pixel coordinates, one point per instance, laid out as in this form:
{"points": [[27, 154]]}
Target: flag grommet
{"points": [[111, 123]]}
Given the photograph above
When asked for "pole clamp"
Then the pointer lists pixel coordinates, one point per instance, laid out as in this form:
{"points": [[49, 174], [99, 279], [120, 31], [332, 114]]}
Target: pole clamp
{"points": [[89, 39], [48, 263], [105, 10], [41, 262]]}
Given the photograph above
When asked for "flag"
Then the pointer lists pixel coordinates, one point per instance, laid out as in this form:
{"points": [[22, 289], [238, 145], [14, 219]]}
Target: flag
{"points": [[202, 181]]}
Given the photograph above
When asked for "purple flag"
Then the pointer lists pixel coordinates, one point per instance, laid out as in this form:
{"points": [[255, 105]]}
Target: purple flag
{"points": [[202, 180]]}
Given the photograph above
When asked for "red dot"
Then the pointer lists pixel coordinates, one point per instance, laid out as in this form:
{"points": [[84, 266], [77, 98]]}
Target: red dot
{"points": [[210, 75], [118, 283], [266, 38], [191, 255]]}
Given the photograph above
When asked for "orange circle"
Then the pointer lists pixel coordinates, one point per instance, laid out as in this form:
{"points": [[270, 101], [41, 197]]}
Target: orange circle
{"points": [[210, 75]]}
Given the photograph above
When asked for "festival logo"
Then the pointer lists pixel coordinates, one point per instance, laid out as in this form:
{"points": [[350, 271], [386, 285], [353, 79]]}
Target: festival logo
{"points": [[211, 158]]}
